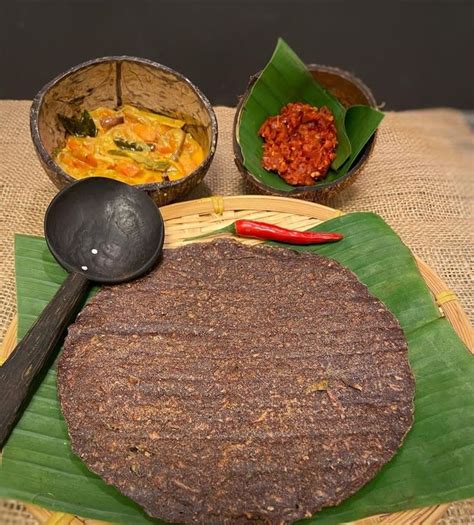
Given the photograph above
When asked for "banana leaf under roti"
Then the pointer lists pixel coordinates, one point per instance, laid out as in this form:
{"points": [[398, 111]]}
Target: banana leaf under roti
{"points": [[434, 465], [286, 79]]}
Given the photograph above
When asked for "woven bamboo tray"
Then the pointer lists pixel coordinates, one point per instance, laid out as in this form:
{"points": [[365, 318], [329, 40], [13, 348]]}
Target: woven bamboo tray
{"points": [[188, 219]]}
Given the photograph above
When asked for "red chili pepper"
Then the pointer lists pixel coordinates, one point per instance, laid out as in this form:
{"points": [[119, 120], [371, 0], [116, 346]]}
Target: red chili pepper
{"points": [[270, 232]]}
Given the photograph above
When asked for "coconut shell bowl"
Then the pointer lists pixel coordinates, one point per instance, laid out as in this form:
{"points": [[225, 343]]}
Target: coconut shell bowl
{"points": [[349, 90], [113, 82]]}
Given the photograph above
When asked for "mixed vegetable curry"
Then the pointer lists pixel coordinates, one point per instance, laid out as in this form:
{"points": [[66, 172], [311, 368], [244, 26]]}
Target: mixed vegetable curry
{"points": [[129, 144]]}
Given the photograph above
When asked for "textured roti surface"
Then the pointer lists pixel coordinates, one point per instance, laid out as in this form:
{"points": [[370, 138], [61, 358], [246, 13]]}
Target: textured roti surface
{"points": [[236, 384]]}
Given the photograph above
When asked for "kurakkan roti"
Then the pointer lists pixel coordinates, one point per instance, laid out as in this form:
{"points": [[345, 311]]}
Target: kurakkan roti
{"points": [[236, 385]]}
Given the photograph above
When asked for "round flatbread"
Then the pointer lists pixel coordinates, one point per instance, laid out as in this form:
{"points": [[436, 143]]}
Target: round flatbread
{"points": [[236, 384]]}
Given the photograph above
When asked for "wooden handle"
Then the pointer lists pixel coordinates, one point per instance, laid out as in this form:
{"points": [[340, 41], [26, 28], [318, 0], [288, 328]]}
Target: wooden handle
{"points": [[18, 373]]}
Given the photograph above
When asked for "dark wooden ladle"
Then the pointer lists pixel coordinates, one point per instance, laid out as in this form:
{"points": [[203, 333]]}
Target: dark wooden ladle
{"points": [[99, 230]]}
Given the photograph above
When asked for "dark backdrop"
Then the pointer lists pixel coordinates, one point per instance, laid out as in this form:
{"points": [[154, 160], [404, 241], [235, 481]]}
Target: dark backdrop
{"points": [[411, 53]]}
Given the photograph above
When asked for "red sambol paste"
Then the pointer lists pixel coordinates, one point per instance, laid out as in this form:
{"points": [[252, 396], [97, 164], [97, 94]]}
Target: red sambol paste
{"points": [[300, 143]]}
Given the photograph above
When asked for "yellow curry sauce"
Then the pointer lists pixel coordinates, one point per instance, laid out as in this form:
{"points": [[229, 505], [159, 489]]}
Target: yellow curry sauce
{"points": [[131, 145]]}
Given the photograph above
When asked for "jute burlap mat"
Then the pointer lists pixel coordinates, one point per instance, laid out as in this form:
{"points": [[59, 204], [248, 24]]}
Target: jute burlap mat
{"points": [[420, 179]]}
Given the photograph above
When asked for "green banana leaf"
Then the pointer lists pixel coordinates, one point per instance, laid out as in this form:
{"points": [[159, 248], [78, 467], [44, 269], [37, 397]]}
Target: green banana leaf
{"points": [[434, 465], [287, 79], [361, 123]]}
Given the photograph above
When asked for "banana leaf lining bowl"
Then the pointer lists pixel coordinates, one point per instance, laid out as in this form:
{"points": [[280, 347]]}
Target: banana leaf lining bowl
{"points": [[111, 82], [349, 90]]}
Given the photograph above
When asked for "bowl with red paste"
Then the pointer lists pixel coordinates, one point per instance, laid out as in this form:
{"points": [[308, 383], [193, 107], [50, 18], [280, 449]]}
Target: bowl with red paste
{"points": [[300, 142]]}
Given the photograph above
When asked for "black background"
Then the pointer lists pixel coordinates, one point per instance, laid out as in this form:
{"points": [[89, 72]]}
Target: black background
{"points": [[410, 53]]}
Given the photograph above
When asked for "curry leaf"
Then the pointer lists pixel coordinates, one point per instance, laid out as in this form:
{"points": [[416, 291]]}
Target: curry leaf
{"points": [[124, 144], [149, 163], [117, 153], [82, 126]]}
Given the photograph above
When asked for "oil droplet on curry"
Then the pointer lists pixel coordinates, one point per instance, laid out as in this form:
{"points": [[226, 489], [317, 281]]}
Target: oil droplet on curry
{"points": [[128, 144]]}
